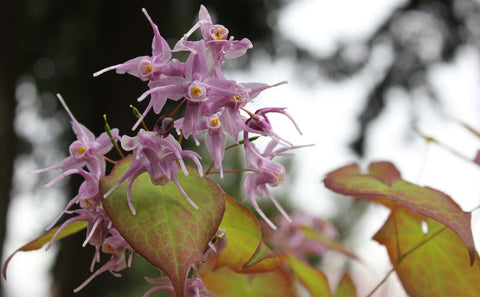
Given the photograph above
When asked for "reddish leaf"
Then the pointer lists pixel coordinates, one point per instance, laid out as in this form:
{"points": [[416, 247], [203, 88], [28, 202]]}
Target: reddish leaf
{"points": [[346, 287], [385, 171], [423, 200], [312, 279], [167, 231], [40, 241], [224, 282], [477, 158], [430, 264]]}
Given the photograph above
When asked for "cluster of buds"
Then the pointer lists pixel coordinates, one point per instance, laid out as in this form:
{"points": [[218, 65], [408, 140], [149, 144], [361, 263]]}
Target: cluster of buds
{"points": [[215, 107]]}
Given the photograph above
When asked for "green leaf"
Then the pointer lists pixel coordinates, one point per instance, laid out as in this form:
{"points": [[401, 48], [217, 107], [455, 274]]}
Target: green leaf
{"points": [[346, 287], [262, 260], [311, 278], [40, 241], [434, 263], [384, 182], [224, 282], [166, 230], [244, 246]]}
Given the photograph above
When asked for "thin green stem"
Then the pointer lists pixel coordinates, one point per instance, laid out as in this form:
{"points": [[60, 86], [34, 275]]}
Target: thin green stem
{"points": [[112, 140], [138, 115], [384, 279]]}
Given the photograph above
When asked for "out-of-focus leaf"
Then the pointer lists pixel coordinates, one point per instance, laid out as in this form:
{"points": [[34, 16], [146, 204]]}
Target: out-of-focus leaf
{"points": [[166, 230], [312, 279], [346, 287], [328, 242], [439, 266], [424, 200], [244, 246], [40, 241], [477, 158], [224, 282]]}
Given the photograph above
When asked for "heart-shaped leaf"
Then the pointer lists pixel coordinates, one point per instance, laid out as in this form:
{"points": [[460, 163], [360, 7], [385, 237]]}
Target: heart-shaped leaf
{"points": [[432, 260], [263, 260], [346, 287], [224, 282], [40, 241], [166, 230], [313, 279], [384, 182], [244, 248]]}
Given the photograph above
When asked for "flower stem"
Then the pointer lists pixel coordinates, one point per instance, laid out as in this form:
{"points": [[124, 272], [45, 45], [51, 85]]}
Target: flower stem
{"points": [[138, 115], [177, 108], [114, 142]]}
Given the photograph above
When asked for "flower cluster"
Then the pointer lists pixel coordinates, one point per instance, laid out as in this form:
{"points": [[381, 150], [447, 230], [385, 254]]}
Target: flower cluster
{"points": [[87, 159], [215, 109]]}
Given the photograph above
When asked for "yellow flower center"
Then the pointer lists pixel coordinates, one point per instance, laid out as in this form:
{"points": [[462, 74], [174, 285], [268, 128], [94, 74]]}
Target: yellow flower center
{"points": [[148, 69], [239, 99], [196, 91], [218, 35], [81, 150], [214, 122]]}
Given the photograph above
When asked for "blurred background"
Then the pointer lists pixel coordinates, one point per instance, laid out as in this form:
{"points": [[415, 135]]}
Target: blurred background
{"points": [[363, 75]]}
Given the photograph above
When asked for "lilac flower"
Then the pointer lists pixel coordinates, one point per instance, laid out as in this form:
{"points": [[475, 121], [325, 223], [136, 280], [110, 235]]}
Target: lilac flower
{"points": [[116, 246], [243, 93], [87, 195], [216, 245], [260, 123], [150, 67], [216, 140], [170, 87], [217, 41], [194, 287], [291, 237], [158, 156], [202, 89], [265, 172], [86, 150]]}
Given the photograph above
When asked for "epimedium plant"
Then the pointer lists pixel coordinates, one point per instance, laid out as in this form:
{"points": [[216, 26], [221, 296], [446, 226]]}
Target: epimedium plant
{"points": [[203, 241]]}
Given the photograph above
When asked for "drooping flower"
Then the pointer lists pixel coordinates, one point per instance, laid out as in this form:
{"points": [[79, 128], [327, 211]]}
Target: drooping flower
{"points": [[215, 140], [88, 191], [260, 124], [150, 67], [265, 173], [86, 150], [117, 247], [194, 287], [158, 156]]}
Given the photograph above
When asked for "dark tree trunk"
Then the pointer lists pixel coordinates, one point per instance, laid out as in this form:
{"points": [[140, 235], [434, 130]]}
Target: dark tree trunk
{"points": [[10, 17]]}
